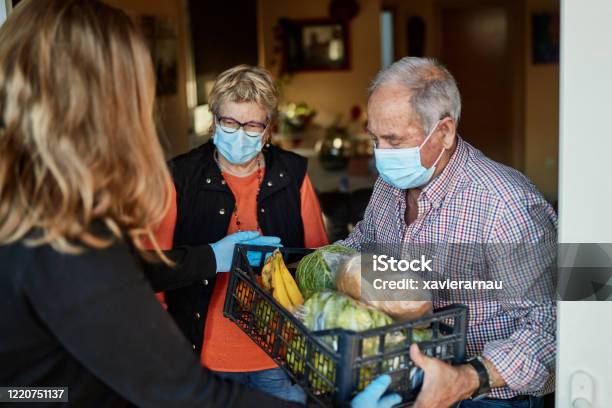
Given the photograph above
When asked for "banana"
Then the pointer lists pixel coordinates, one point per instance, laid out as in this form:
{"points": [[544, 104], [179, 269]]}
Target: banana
{"points": [[280, 293], [292, 289], [275, 277], [266, 273]]}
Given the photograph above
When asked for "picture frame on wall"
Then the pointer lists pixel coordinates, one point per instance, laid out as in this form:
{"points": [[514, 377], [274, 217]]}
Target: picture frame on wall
{"points": [[316, 45]]}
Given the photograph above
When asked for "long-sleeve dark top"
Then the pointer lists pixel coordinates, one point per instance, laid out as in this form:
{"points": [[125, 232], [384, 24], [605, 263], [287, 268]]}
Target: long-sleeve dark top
{"points": [[91, 322]]}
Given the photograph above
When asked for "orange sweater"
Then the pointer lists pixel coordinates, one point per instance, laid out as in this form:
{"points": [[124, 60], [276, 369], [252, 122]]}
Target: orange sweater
{"points": [[226, 347]]}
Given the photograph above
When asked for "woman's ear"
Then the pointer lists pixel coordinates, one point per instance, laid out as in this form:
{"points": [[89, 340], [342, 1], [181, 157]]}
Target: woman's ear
{"points": [[267, 138]]}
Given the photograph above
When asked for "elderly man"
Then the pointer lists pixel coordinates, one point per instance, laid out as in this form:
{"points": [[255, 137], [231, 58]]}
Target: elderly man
{"points": [[434, 187]]}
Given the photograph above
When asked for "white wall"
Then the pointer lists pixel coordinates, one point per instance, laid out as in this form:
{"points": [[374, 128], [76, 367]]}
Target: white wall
{"points": [[585, 191]]}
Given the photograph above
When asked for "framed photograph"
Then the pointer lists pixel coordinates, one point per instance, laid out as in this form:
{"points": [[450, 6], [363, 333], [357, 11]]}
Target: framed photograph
{"points": [[316, 45], [545, 41]]}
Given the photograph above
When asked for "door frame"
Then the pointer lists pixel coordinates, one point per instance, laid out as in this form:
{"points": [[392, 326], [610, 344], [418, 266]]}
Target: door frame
{"points": [[3, 11], [392, 8]]}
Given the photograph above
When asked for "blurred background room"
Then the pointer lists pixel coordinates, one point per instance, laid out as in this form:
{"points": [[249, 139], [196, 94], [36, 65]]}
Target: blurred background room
{"points": [[323, 55]]}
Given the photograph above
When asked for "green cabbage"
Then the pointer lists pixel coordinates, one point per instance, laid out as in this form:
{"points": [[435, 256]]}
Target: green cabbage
{"points": [[330, 310], [317, 270]]}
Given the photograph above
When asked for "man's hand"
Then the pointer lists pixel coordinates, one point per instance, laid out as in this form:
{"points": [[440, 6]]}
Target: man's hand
{"points": [[443, 384]]}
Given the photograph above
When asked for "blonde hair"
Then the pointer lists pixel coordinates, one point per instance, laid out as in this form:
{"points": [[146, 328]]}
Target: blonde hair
{"points": [[245, 83], [78, 142]]}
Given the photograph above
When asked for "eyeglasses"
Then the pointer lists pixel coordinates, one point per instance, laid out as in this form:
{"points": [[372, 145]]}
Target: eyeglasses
{"points": [[231, 125]]}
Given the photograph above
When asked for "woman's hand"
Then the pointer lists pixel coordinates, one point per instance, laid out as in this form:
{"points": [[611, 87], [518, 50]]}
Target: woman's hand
{"points": [[224, 249], [370, 397], [254, 257]]}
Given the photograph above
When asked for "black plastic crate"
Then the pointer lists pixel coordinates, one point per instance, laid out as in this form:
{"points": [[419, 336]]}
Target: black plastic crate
{"points": [[330, 365]]}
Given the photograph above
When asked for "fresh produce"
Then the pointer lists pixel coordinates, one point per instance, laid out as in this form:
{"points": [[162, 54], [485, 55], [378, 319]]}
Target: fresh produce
{"points": [[295, 296], [328, 310], [266, 273], [317, 270], [323, 367], [402, 305], [316, 279], [244, 295], [266, 320], [276, 278]]}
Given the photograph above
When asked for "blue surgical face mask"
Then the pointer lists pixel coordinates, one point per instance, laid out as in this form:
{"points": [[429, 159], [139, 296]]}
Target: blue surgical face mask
{"points": [[237, 147], [402, 168]]}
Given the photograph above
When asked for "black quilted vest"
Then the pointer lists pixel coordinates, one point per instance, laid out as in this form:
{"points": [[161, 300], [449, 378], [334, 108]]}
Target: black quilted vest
{"points": [[205, 205]]}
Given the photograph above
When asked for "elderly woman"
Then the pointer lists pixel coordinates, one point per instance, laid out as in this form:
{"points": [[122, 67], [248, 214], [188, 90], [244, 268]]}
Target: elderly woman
{"points": [[237, 181]]}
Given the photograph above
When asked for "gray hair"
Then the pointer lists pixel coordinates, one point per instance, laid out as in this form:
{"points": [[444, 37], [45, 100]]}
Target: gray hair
{"points": [[434, 92]]}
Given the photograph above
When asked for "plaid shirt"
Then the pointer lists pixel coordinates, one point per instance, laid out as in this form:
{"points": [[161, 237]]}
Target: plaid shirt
{"points": [[476, 200]]}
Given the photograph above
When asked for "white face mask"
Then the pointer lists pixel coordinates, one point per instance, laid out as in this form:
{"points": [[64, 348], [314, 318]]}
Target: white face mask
{"points": [[402, 168]]}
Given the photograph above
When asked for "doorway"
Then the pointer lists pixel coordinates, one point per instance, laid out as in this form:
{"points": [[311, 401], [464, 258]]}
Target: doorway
{"points": [[481, 43]]}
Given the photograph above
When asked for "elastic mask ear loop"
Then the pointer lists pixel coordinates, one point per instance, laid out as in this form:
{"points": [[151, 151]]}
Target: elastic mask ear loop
{"points": [[429, 135], [427, 138], [439, 157]]}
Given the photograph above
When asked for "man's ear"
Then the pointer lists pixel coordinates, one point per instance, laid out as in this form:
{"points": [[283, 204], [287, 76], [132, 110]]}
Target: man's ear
{"points": [[448, 129]]}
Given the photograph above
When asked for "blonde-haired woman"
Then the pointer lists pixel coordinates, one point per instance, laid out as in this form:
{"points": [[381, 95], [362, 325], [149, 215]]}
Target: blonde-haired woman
{"points": [[238, 181], [82, 181]]}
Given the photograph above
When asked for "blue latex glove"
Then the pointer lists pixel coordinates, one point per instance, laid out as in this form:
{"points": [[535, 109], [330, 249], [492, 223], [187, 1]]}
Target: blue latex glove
{"points": [[370, 397], [255, 256], [224, 249]]}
